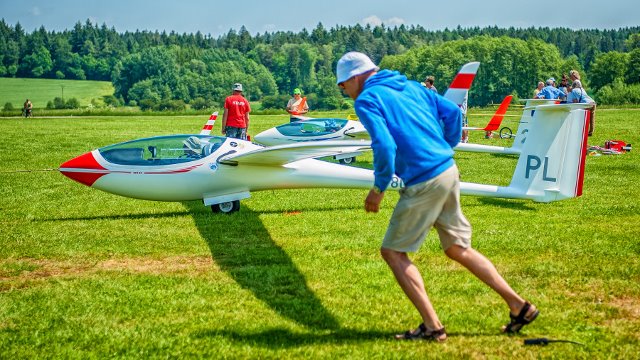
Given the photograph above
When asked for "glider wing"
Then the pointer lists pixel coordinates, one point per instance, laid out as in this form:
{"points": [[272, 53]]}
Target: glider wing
{"points": [[285, 154]]}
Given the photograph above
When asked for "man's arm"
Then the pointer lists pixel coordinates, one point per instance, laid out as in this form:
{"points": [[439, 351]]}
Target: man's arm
{"points": [[246, 114], [451, 116], [224, 120], [382, 143], [373, 200]]}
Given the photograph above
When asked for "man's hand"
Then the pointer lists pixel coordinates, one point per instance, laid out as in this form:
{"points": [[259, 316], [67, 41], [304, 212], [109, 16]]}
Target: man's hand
{"points": [[373, 200]]}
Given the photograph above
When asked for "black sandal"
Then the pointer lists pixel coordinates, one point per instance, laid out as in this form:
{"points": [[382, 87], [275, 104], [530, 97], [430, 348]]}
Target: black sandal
{"points": [[422, 333], [517, 322]]}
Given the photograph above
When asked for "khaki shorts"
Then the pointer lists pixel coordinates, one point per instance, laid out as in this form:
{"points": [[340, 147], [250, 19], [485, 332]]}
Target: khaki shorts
{"points": [[433, 203]]}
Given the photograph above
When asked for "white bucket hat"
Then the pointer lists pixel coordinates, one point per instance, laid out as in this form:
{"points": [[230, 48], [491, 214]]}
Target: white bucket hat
{"points": [[237, 87], [352, 64]]}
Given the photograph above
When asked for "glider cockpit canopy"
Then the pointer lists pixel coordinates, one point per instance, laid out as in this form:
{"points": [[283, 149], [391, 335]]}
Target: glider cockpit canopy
{"points": [[162, 150], [312, 127]]}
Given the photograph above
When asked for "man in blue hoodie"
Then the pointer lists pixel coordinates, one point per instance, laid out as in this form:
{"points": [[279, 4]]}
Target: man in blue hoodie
{"points": [[413, 132]]}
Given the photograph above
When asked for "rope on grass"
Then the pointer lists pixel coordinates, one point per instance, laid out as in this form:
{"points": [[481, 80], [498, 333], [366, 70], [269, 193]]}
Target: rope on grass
{"points": [[26, 171], [546, 341]]}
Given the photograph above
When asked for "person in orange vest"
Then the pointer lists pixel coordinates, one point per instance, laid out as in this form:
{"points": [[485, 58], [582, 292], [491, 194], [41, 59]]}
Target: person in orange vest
{"points": [[297, 105]]}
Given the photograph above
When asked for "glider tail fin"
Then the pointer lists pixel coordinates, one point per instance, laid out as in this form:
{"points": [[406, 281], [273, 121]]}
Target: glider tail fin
{"points": [[551, 164], [208, 126], [497, 118], [458, 91]]}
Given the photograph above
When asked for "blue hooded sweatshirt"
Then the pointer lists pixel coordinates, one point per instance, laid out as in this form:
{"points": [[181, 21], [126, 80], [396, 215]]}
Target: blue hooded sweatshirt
{"points": [[413, 130]]}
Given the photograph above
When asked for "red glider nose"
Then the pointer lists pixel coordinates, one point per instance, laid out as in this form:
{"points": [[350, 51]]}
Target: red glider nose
{"points": [[83, 169]]}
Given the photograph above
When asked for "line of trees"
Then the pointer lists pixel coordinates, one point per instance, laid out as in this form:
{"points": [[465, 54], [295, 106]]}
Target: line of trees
{"points": [[170, 70]]}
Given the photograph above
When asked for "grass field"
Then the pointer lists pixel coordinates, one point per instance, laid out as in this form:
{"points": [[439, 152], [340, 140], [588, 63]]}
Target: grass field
{"points": [[297, 273], [41, 91]]}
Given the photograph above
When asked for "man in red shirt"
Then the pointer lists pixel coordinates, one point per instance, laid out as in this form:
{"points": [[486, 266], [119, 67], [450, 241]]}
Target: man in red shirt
{"points": [[235, 120]]}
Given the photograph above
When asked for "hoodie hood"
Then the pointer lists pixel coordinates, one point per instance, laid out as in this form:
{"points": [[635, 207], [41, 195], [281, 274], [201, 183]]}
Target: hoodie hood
{"points": [[392, 79]]}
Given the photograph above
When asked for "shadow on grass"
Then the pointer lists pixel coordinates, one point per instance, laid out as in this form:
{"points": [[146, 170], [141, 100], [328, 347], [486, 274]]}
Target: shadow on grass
{"points": [[319, 208], [123, 217], [280, 338], [506, 203], [243, 248], [199, 209]]}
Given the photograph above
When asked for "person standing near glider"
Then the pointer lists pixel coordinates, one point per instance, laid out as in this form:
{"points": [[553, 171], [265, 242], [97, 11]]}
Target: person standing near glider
{"points": [[297, 105], [404, 121], [235, 119], [428, 83], [550, 91], [575, 75]]}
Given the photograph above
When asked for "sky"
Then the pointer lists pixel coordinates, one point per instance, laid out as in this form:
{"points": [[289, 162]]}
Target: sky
{"points": [[215, 17]]}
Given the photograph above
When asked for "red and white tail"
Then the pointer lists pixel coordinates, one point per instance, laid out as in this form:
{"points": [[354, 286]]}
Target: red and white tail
{"points": [[552, 160], [497, 118], [458, 91], [206, 129]]}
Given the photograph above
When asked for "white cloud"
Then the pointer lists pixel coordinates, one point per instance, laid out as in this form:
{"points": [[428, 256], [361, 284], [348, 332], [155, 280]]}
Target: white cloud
{"points": [[374, 20], [394, 21]]}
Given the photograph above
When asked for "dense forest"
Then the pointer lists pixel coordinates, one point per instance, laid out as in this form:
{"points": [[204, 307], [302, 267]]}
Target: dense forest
{"points": [[169, 70]]}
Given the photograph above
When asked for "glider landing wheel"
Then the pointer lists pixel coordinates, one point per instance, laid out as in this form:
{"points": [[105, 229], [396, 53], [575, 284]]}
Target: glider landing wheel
{"points": [[226, 207], [505, 133], [348, 161]]}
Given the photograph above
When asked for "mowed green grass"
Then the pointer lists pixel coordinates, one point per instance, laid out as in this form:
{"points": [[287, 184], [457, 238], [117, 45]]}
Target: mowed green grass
{"points": [[41, 91], [297, 273]]}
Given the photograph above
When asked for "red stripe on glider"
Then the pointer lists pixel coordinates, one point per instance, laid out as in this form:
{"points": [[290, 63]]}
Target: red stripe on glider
{"points": [[84, 161], [583, 154], [83, 177], [462, 81]]}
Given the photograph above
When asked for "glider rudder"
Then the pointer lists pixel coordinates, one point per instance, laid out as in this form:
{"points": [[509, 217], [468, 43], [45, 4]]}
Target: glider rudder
{"points": [[551, 164]]}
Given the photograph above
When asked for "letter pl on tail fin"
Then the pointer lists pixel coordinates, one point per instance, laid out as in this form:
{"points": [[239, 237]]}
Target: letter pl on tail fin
{"points": [[208, 126], [551, 164]]}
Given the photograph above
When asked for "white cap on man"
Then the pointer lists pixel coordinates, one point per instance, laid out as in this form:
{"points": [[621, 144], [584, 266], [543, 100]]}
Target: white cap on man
{"points": [[353, 63], [237, 87]]}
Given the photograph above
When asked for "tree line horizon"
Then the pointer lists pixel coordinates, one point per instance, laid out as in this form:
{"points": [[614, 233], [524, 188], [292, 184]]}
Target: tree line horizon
{"points": [[159, 69]]}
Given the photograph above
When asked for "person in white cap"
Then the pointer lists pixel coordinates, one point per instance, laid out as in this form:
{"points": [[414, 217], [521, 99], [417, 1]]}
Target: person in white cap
{"points": [[413, 132], [550, 91], [235, 119]]}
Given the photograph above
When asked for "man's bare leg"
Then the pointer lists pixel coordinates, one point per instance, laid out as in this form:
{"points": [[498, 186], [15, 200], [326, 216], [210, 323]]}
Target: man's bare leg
{"points": [[484, 270], [410, 280]]}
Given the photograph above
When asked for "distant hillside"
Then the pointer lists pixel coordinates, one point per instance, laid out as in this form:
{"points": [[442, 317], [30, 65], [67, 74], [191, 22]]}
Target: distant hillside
{"points": [[40, 91]]}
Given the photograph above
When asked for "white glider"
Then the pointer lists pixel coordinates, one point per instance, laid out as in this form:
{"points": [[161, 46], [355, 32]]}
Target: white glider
{"points": [[222, 171]]}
